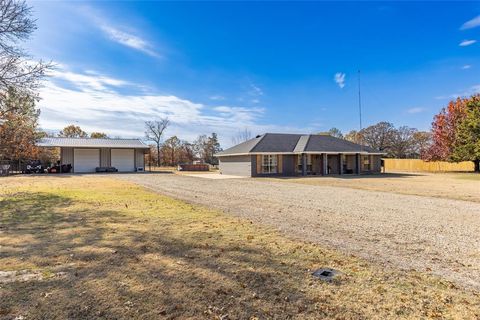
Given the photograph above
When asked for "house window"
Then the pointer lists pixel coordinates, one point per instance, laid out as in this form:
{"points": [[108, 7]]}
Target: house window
{"points": [[269, 163], [300, 163], [366, 163]]}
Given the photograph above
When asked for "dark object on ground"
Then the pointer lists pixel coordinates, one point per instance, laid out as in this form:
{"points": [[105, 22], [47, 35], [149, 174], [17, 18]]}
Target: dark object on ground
{"points": [[34, 166], [106, 169], [194, 167], [326, 274], [64, 168]]}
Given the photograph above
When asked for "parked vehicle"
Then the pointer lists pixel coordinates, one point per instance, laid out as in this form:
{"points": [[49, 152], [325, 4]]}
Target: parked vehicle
{"points": [[34, 166], [64, 168]]}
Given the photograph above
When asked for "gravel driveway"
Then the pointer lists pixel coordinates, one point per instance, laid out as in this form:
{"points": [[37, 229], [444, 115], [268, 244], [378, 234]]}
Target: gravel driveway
{"points": [[429, 234]]}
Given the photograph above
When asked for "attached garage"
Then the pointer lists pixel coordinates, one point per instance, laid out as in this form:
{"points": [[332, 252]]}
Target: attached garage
{"points": [[86, 154], [123, 159], [236, 165], [86, 160]]}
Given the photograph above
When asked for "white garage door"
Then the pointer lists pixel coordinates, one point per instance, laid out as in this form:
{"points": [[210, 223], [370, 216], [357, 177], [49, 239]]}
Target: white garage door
{"points": [[86, 160], [123, 159]]}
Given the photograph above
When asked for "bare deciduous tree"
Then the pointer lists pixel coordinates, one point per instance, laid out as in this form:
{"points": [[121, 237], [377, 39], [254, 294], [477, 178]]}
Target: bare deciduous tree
{"points": [[154, 132], [17, 69], [242, 136]]}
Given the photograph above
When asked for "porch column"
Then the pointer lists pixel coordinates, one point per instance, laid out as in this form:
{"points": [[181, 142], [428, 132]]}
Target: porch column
{"points": [[304, 164], [340, 163], [357, 162], [325, 164]]}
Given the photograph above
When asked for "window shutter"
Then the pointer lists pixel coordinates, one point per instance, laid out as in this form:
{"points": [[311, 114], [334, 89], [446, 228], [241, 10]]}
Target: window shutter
{"points": [[259, 163]]}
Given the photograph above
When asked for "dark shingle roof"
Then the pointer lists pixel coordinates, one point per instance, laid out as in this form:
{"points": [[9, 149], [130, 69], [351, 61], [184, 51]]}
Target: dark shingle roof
{"points": [[88, 142], [277, 142], [331, 144], [295, 143], [244, 147]]}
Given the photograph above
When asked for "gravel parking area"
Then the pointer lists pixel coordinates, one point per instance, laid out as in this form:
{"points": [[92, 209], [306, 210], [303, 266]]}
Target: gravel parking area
{"points": [[440, 236]]}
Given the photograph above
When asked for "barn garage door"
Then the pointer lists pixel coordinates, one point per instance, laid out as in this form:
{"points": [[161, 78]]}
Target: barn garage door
{"points": [[86, 160], [123, 159]]}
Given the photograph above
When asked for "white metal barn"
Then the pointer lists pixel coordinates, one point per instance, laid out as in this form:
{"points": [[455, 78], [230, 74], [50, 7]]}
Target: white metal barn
{"points": [[86, 154]]}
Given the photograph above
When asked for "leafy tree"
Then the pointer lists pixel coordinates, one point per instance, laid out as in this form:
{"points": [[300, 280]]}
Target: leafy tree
{"points": [[17, 69], [378, 136], [18, 130], [402, 142], [354, 136], [154, 132], [205, 148], [421, 142], [334, 132], [73, 131], [98, 135], [170, 150], [466, 145], [444, 128], [212, 147]]}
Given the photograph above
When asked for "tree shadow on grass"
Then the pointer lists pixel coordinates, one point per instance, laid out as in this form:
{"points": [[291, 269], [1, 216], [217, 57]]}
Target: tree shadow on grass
{"points": [[109, 264]]}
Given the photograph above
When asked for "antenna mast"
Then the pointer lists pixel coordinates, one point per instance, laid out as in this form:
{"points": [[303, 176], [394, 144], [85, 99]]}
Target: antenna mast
{"points": [[360, 110], [359, 100]]}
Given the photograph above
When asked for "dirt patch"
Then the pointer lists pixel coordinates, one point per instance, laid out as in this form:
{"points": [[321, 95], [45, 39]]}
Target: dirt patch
{"points": [[133, 254]]}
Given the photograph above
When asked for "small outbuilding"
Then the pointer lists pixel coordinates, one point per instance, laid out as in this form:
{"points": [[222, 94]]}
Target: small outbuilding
{"points": [[278, 154], [87, 154]]}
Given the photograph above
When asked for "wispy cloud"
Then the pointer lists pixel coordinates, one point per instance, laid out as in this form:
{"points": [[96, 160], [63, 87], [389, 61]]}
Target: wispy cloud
{"points": [[339, 79], [415, 110], [475, 89], [129, 40], [97, 102], [475, 22], [217, 97], [466, 43], [255, 92], [467, 66]]}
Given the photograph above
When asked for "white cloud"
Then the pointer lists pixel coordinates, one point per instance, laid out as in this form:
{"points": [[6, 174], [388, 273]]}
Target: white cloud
{"points": [[339, 79], [255, 90], [217, 97], [415, 110], [95, 102], [128, 40], [466, 43], [475, 22], [466, 93], [467, 66]]}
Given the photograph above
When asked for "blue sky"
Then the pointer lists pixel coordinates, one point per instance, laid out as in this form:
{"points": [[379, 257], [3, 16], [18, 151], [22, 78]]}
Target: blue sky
{"points": [[268, 67]]}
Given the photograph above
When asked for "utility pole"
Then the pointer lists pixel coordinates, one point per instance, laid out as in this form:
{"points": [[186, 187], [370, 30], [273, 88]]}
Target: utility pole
{"points": [[360, 110]]}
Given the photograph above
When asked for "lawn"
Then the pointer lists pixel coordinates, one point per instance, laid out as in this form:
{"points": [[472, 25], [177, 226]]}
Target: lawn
{"points": [[94, 247], [458, 186]]}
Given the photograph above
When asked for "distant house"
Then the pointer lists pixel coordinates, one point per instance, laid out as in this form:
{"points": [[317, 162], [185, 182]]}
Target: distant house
{"points": [[86, 154], [276, 154]]}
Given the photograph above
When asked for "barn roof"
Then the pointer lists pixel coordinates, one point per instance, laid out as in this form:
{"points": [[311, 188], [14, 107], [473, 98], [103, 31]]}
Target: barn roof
{"points": [[92, 143]]}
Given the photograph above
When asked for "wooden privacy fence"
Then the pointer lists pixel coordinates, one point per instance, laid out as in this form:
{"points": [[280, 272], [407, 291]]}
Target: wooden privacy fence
{"points": [[420, 165]]}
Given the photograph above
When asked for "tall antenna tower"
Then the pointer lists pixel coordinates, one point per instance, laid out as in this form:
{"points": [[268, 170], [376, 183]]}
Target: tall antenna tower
{"points": [[359, 101]]}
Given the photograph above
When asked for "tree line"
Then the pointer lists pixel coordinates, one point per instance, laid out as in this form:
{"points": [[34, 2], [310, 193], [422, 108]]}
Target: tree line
{"points": [[401, 142], [174, 150], [454, 136]]}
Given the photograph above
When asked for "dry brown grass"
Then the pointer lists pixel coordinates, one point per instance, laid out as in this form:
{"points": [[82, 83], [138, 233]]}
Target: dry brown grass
{"points": [[103, 248], [459, 186]]}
